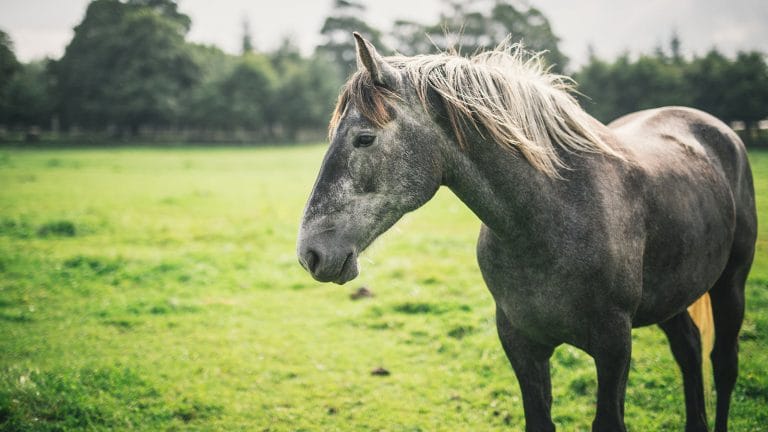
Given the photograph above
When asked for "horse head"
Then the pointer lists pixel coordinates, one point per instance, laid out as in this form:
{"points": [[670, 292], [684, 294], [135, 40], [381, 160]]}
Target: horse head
{"points": [[382, 162]]}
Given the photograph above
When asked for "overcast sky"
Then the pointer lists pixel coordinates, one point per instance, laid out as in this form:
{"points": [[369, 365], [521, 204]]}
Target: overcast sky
{"points": [[42, 28]]}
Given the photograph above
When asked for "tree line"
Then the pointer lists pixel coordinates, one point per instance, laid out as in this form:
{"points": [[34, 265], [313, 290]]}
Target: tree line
{"points": [[129, 72], [732, 89]]}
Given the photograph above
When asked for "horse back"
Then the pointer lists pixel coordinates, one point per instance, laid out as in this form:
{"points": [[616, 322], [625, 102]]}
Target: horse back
{"points": [[679, 139], [660, 132]]}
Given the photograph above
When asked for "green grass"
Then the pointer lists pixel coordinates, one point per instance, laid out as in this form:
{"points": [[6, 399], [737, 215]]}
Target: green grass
{"points": [[158, 290]]}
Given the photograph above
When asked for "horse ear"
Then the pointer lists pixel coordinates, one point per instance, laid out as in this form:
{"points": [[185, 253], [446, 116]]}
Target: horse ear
{"points": [[381, 72]]}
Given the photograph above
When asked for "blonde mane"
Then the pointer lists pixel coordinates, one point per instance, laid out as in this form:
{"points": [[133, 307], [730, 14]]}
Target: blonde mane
{"points": [[506, 95]]}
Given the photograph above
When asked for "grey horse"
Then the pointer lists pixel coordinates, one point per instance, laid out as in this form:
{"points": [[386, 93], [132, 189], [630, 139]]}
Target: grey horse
{"points": [[587, 230]]}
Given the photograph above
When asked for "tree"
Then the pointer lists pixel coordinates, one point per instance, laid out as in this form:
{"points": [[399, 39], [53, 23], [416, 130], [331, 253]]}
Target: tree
{"points": [[203, 106], [247, 45], [462, 27], [411, 38], [707, 78], [529, 26], [470, 26], [166, 8], [286, 55], [9, 67], [273, 96], [29, 96], [624, 86], [746, 95], [674, 47], [733, 90], [597, 88], [127, 66], [338, 43], [306, 95], [248, 94]]}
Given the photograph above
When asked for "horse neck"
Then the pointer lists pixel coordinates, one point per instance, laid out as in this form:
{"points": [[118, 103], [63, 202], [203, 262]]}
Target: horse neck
{"points": [[500, 187]]}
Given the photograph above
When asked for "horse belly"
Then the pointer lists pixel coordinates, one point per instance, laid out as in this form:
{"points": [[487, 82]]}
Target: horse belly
{"points": [[688, 242]]}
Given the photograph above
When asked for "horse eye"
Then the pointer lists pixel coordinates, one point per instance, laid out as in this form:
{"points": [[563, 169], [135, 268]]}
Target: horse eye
{"points": [[364, 140]]}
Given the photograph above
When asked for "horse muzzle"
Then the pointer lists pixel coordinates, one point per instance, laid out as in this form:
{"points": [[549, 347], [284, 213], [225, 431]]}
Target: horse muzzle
{"points": [[327, 262]]}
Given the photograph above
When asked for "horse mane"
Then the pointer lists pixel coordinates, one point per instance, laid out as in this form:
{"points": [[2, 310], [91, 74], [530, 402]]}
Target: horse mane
{"points": [[506, 93]]}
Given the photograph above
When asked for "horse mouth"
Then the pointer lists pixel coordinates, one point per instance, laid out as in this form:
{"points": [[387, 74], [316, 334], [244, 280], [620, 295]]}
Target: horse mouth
{"points": [[348, 269], [328, 272]]}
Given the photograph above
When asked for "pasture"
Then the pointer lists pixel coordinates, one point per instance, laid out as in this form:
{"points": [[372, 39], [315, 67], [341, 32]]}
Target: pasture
{"points": [[158, 289]]}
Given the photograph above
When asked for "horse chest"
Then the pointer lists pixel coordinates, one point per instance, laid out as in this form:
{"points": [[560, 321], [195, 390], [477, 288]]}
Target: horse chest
{"points": [[539, 297]]}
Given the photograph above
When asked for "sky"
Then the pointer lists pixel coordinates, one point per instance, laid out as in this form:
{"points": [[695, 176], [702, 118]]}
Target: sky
{"points": [[41, 28]]}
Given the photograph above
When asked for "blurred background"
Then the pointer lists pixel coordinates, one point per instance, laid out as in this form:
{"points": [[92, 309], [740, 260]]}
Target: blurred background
{"points": [[261, 72]]}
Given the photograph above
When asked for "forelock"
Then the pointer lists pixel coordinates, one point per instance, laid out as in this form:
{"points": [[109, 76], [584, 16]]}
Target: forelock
{"points": [[374, 103]]}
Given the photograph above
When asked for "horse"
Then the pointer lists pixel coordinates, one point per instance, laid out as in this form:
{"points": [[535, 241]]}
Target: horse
{"points": [[587, 230]]}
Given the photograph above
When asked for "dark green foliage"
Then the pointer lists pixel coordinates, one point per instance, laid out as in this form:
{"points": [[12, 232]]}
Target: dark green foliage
{"points": [[130, 70], [28, 96], [276, 96], [338, 44], [9, 67], [704, 76], [747, 96], [248, 94], [126, 66], [308, 91], [730, 89], [247, 43], [203, 104], [529, 26], [624, 86], [168, 9], [8, 63], [472, 26]]}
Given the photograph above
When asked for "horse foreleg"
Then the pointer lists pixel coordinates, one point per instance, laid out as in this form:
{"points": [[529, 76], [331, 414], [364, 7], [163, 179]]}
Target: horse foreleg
{"points": [[530, 361], [611, 347], [685, 342]]}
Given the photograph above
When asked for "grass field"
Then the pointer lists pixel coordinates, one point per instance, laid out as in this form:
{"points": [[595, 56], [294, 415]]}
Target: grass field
{"points": [[145, 289]]}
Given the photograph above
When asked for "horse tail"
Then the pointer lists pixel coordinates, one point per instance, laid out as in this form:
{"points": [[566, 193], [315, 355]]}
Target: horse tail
{"points": [[701, 313]]}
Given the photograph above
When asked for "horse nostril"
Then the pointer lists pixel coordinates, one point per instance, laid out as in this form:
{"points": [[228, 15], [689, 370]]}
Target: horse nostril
{"points": [[312, 260]]}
